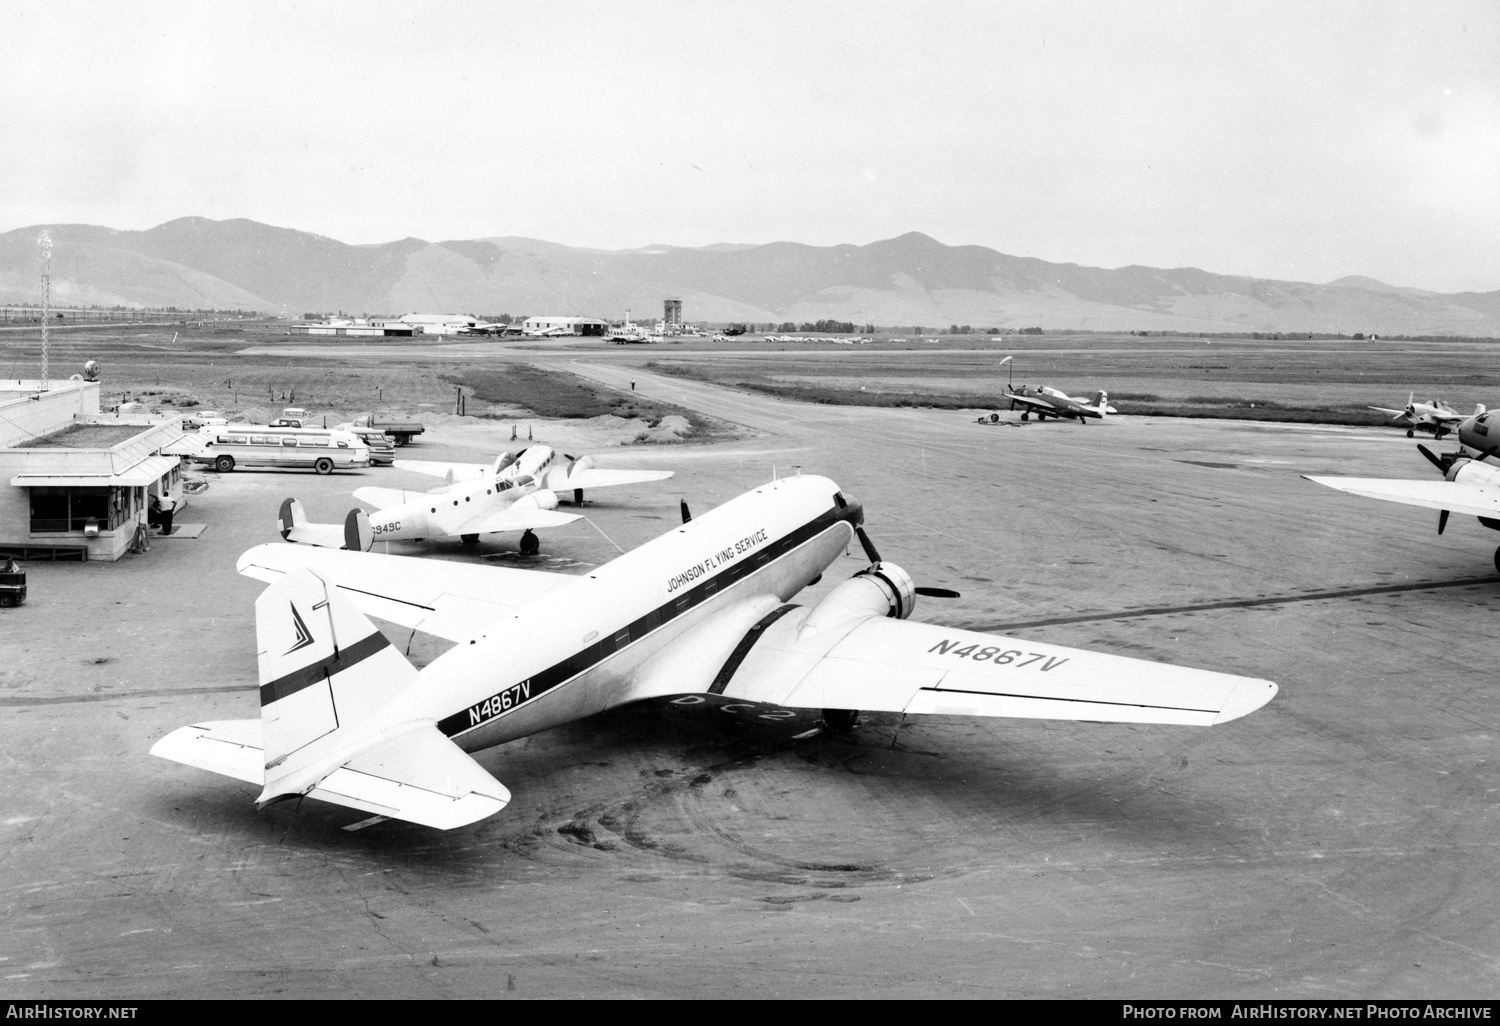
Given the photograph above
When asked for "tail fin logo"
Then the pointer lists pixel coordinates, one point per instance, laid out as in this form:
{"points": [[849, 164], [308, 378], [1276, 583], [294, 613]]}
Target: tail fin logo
{"points": [[304, 636]]}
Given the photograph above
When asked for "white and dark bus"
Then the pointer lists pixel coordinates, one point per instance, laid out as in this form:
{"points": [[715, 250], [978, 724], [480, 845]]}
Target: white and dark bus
{"points": [[282, 448]]}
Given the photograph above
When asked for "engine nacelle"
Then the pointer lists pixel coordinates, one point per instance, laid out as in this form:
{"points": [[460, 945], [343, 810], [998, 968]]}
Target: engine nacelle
{"points": [[1475, 473], [884, 589], [542, 499], [582, 463]]}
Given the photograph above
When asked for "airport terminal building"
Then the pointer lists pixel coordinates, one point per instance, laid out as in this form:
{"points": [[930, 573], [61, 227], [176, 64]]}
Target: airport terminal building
{"points": [[76, 484]]}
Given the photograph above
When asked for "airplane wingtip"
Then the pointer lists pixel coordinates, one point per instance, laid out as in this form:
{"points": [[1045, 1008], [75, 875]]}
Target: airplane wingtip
{"points": [[1249, 695]]}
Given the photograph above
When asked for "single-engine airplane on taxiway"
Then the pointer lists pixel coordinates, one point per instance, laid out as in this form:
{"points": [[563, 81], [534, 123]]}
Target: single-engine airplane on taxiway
{"points": [[1435, 416], [1470, 484], [515, 494], [702, 613]]}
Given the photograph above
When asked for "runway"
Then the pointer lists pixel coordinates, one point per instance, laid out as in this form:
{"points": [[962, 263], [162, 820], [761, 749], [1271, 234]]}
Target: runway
{"points": [[1340, 842]]}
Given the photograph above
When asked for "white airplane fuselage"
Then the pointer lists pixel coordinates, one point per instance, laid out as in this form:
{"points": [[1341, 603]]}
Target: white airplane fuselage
{"points": [[435, 514], [585, 647]]}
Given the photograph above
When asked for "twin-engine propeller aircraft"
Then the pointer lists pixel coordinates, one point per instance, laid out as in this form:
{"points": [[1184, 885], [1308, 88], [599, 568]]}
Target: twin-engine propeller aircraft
{"points": [[1049, 402], [1435, 416], [568, 474], [705, 611], [515, 494], [1469, 485]]}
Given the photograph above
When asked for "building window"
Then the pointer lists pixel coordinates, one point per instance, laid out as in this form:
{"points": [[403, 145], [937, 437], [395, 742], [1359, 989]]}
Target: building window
{"points": [[58, 510]]}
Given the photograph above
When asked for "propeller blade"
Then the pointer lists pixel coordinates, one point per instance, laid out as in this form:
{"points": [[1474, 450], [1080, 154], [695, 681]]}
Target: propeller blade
{"points": [[1442, 520], [937, 592], [867, 545], [686, 515], [1441, 462]]}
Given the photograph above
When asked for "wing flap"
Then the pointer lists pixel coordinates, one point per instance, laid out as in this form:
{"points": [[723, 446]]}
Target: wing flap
{"points": [[461, 471], [1454, 496], [593, 477], [891, 665], [514, 518], [387, 498]]}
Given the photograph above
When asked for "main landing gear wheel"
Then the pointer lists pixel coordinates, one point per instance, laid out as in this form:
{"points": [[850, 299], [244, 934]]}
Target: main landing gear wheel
{"points": [[840, 721], [324, 465], [1497, 561], [529, 544], [1410, 433], [224, 464], [1025, 416], [469, 539]]}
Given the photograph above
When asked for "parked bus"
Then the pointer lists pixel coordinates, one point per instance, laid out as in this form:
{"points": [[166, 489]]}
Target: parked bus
{"points": [[253, 445]]}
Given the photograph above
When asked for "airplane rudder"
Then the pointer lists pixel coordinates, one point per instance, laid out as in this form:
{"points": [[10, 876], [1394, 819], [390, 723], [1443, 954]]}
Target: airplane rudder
{"points": [[359, 536], [290, 516]]}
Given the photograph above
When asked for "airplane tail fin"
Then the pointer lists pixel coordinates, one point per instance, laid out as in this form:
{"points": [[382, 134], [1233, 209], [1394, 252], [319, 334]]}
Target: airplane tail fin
{"points": [[1101, 401], [358, 535], [294, 526], [1478, 409], [326, 675], [324, 671]]}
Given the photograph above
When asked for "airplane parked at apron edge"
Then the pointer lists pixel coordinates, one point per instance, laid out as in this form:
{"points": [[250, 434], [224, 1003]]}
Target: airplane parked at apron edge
{"points": [[702, 614]]}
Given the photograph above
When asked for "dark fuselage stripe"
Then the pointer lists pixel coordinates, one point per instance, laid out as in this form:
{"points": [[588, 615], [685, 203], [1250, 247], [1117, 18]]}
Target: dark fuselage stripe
{"points": [[727, 671], [471, 717], [339, 661]]}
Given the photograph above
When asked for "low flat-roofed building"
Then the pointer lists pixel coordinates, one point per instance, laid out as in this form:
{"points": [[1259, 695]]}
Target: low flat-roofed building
{"points": [[567, 325], [355, 329], [75, 483]]}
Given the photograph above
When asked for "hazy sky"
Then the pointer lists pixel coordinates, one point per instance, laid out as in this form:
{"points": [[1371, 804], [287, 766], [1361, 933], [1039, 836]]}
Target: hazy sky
{"points": [[1296, 140]]}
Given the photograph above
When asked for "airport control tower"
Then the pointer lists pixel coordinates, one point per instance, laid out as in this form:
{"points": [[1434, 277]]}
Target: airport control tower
{"points": [[671, 317]]}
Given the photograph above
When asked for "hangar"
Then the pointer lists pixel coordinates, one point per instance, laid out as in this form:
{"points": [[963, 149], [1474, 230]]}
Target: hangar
{"points": [[567, 325], [74, 483]]}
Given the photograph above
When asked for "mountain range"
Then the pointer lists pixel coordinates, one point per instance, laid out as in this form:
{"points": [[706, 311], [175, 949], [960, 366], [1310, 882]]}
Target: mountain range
{"points": [[196, 263]]}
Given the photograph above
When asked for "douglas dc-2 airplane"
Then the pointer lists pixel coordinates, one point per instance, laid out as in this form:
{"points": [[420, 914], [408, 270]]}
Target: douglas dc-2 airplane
{"points": [[1469, 485], [1049, 402], [1436, 416], [702, 613], [516, 493]]}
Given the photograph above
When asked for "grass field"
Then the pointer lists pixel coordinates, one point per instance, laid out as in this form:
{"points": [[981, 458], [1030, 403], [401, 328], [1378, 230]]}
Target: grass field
{"points": [[202, 367], [1328, 381]]}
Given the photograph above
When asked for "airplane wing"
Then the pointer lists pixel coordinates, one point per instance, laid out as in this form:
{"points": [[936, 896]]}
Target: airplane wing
{"points": [[513, 518], [1454, 496], [461, 471], [420, 777], [386, 498], [559, 480], [1031, 401], [452, 600], [881, 664]]}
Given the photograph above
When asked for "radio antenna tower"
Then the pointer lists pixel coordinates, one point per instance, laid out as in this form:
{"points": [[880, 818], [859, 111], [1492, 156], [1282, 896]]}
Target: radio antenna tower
{"points": [[44, 249]]}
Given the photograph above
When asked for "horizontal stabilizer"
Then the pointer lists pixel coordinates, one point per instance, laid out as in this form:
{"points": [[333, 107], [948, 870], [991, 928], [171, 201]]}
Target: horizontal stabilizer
{"points": [[452, 600], [230, 747], [293, 524], [420, 777]]}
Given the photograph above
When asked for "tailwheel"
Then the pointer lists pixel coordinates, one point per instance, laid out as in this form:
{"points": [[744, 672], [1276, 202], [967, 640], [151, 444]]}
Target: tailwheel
{"points": [[529, 544], [840, 721], [469, 539], [1497, 560]]}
